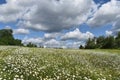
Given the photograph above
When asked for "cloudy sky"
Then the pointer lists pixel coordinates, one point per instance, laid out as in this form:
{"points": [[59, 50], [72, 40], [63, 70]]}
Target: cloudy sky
{"points": [[60, 23]]}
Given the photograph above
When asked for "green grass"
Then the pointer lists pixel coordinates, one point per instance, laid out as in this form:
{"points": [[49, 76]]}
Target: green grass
{"points": [[111, 50], [22, 63]]}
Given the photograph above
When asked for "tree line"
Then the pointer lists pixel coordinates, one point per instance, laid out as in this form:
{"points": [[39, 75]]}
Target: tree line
{"points": [[102, 42]]}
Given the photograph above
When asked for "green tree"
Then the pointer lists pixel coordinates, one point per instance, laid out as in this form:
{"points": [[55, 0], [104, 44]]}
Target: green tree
{"points": [[18, 42], [90, 44], [103, 42], [81, 47], [31, 45], [100, 42], [6, 38], [117, 40], [109, 43]]}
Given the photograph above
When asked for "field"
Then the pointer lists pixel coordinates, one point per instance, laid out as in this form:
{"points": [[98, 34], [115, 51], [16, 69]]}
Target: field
{"points": [[22, 63]]}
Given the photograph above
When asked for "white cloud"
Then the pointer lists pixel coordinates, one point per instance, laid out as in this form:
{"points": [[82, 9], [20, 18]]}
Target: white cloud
{"points": [[54, 16], [107, 14], [52, 43], [75, 44], [13, 10], [108, 33], [116, 25], [46, 15], [7, 27], [37, 41], [52, 35], [10, 11], [77, 35], [20, 31]]}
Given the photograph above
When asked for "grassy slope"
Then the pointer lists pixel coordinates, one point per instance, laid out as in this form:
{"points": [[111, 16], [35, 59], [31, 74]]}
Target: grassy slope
{"points": [[58, 64]]}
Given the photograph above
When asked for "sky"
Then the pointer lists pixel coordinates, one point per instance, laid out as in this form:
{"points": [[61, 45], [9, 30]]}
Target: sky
{"points": [[60, 23]]}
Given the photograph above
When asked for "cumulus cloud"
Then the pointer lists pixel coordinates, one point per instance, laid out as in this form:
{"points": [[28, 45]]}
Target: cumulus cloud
{"points": [[52, 43], [75, 44], [77, 35], [10, 11], [37, 41], [107, 14], [46, 15], [20, 31], [13, 10], [7, 27], [57, 15], [116, 25], [52, 35], [108, 33]]}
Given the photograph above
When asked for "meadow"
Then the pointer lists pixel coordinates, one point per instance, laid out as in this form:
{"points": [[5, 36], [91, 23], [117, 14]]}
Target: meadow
{"points": [[23, 63]]}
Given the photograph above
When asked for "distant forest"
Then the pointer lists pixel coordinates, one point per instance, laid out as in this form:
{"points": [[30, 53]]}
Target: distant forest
{"points": [[101, 42]]}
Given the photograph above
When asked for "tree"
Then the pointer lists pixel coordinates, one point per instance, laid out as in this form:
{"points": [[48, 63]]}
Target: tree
{"points": [[6, 38], [91, 43], [109, 43], [18, 42], [103, 42], [31, 45], [118, 35], [81, 47], [100, 41], [117, 40], [117, 43], [6, 32]]}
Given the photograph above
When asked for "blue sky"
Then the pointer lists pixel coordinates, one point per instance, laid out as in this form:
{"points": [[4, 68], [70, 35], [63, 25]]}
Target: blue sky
{"points": [[60, 23], [101, 1], [2, 1]]}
